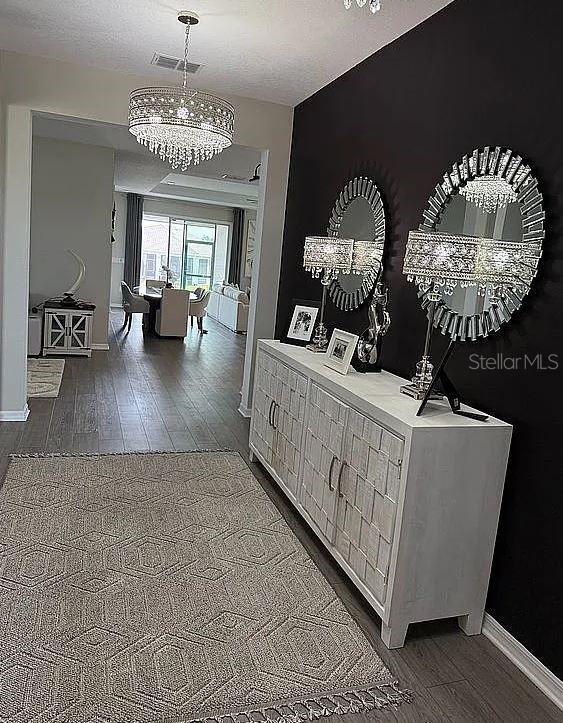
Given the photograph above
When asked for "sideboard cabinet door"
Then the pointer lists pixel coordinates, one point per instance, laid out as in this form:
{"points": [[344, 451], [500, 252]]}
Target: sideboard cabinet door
{"points": [[278, 417], [324, 439], [56, 335], [368, 493], [262, 429], [79, 330], [288, 417]]}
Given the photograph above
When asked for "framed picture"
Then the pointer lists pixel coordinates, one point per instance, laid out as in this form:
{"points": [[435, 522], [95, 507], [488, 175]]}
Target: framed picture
{"points": [[301, 322], [250, 239], [340, 350]]}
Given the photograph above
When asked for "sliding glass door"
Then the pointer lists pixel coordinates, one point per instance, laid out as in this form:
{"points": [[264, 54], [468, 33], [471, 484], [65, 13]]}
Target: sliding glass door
{"points": [[195, 251], [199, 247]]}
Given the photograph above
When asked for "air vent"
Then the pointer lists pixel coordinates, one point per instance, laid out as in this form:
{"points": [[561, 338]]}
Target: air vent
{"points": [[165, 61]]}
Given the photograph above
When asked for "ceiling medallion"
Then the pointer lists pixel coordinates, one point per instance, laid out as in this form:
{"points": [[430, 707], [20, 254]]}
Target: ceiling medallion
{"points": [[374, 5], [183, 125]]}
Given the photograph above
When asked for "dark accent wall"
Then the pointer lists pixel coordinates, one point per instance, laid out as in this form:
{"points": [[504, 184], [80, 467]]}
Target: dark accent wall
{"points": [[475, 74]]}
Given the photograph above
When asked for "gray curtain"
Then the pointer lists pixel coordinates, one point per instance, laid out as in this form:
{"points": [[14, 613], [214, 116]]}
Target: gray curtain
{"points": [[237, 246], [133, 240]]}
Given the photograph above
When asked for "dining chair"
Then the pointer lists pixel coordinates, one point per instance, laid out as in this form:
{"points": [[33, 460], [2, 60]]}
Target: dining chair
{"points": [[132, 304], [197, 310], [172, 316]]}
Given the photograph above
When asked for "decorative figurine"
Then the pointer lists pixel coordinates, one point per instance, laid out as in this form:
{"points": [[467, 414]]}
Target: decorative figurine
{"points": [[369, 345]]}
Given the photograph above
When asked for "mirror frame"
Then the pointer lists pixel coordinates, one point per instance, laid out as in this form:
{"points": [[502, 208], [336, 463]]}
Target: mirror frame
{"points": [[511, 167], [359, 187]]}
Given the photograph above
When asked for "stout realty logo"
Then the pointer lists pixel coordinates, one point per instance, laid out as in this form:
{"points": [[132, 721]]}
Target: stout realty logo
{"points": [[537, 362]]}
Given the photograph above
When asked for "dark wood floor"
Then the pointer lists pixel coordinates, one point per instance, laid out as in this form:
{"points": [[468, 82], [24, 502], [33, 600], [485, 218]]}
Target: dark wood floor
{"points": [[164, 394]]}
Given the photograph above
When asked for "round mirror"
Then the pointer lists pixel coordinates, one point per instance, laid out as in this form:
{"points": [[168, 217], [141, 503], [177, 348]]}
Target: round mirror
{"points": [[358, 214], [490, 199]]}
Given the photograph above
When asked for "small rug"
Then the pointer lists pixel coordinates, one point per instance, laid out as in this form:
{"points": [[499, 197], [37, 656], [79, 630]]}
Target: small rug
{"points": [[44, 377], [167, 587]]}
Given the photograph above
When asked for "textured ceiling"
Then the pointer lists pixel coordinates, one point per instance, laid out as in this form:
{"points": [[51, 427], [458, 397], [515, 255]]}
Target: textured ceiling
{"points": [[275, 50]]}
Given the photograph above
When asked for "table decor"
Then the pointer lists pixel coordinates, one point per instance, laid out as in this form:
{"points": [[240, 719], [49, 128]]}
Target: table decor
{"points": [[340, 350]]}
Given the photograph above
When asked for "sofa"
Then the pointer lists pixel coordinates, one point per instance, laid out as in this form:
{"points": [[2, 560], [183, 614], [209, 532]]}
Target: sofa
{"points": [[229, 306]]}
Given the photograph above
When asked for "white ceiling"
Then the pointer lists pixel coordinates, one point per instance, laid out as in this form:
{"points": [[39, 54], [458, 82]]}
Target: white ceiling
{"points": [[137, 170], [275, 50]]}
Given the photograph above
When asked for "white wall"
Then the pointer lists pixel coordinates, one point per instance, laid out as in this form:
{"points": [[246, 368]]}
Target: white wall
{"points": [[166, 207], [71, 201], [49, 86], [15, 264], [2, 169]]}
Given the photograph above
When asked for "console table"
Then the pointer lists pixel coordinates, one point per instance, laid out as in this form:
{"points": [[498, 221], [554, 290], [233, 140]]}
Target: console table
{"points": [[67, 330], [408, 506]]}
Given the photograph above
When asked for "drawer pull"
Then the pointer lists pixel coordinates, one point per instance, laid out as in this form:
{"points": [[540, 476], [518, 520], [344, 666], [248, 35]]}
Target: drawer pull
{"points": [[330, 486], [342, 467], [274, 419], [270, 414]]}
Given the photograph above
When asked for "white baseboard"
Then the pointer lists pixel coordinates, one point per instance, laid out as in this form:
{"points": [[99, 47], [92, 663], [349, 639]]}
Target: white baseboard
{"points": [[246, 412], [17, 416], [100, 347], [534, 669]]}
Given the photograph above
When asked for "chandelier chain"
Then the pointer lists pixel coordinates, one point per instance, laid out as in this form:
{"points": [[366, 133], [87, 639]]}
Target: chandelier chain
{"points": [[186, 51]]}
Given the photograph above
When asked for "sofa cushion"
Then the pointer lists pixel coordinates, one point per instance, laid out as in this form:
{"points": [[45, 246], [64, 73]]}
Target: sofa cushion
{"points": [[235, 294]]}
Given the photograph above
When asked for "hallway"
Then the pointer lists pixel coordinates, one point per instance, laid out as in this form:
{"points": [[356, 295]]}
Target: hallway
{"points": [[151, 394]]}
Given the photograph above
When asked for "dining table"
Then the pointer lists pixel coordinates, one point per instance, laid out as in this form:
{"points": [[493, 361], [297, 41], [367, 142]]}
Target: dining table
{"points": [[153, 296]]}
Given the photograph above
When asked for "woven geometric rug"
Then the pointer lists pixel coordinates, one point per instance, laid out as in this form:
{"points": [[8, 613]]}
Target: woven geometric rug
{"points": [[44, 377], [167, 587]]}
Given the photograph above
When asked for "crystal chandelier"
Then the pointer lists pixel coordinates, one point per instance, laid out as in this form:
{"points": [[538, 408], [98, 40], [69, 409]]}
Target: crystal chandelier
{"points": [[374, 5], [183, 125], [489, 193]]}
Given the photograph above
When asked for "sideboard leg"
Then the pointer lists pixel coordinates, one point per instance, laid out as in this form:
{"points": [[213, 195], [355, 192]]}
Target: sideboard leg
{"points": [[394, 635], [471, 624], [251, 456]]}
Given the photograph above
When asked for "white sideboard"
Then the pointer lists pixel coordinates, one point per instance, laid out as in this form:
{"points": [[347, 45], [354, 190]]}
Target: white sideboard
{"points": [[67, 331], [408, 506]]}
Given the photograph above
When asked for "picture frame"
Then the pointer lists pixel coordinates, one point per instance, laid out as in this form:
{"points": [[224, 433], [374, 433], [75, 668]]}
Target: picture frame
{"points": [[340, 350], [301, 322]]}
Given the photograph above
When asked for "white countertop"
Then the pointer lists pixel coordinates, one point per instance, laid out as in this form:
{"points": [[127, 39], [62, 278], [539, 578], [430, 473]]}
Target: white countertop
{"points": [[379, 389]]}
